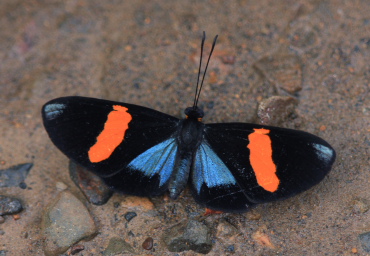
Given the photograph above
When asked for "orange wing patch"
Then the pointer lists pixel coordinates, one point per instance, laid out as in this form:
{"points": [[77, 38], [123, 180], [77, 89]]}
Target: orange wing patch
{"points": [[112, 135], [261, 159]]}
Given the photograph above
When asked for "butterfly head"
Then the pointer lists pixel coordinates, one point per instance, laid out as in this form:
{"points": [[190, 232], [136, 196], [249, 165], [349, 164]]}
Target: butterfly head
{"points": [[194, 113]]}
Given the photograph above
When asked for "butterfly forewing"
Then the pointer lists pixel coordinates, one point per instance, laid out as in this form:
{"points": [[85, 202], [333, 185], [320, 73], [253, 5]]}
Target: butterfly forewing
{"points": [[106, 136]]}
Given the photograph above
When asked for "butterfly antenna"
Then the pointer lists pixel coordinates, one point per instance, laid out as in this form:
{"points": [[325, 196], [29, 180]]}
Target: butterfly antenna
{"points": [[200, 66], [197, 92]]}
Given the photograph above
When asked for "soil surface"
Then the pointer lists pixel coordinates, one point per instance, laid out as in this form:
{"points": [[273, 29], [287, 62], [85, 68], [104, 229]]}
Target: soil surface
{"points": [[147, 53]]}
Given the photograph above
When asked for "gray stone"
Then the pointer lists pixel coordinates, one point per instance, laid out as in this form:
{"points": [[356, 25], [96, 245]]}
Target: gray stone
{"points": [[365, 241], [192, 235], [276, 109], [9, 205], [90, 184], [15, 175], [118, 246], [66, 222]]}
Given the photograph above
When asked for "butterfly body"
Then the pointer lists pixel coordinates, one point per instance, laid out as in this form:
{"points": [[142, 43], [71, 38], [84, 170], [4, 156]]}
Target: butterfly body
{"points": [[188, 139]]}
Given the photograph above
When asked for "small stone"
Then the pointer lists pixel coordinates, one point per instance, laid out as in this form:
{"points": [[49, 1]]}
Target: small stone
{"points": [[9, 205], [60, 186], [148, 243], [14, 176], [23, 185], [90, 184], [365, 241], [2, 219], [65, 222], [16, 216], [276, 109], [118, 246], [130, 215], [322, 128], [2, 232], [137, 202], [192, 235]]}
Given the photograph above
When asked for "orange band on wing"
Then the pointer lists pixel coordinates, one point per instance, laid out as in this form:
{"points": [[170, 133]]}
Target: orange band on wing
{"points": [[112, 135], [261, 159]]}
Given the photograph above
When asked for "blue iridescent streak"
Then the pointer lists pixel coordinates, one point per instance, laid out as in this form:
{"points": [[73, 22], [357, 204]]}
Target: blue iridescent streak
{"points": [[54, 110], [323, 152], [210, 169], [159, 159]]}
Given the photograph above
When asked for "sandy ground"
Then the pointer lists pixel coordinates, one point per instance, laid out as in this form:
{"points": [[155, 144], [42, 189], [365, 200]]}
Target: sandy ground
{"points": [[146, 53]]}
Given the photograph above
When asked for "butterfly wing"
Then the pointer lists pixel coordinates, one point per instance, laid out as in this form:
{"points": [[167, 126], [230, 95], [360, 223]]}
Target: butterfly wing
{"points": [[115, 140], [213, 183], [256, 164]]}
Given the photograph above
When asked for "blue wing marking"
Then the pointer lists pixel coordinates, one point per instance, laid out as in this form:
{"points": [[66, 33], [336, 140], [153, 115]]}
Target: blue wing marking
{"points": [[159, 159], [53, 110], [323, 152], [209, 169]]}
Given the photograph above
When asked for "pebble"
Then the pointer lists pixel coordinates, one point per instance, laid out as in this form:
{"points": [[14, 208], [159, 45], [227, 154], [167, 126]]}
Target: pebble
{"points": [[276, 109], [148, 243], [118, 246], [60, 186], [65, 222], [90, 184], [130, 215], [9, 205], [14, 176], [16, 217], [192, 235], [365, 241], [143, 203]]}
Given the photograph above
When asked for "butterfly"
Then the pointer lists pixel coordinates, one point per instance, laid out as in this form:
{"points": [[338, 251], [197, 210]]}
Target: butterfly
{"points": [[230, 167]]}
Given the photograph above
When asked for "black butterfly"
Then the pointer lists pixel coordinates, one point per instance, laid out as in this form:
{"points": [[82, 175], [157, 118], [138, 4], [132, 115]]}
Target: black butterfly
{"points": [[140, 151]]}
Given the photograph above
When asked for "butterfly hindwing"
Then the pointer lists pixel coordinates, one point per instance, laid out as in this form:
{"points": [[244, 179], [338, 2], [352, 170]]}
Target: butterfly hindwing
{"points": [[214, 185], [111, 138], [267, 163]]}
